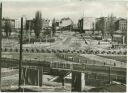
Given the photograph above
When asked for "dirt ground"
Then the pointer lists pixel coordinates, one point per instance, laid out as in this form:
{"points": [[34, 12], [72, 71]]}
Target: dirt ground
{"points": [[10, 83]]}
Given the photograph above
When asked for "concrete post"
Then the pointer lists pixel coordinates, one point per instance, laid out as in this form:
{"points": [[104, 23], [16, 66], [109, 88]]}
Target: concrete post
{"points": [[62, 79], [78, 81], [40, 76], [82, 81], [123, 39]]}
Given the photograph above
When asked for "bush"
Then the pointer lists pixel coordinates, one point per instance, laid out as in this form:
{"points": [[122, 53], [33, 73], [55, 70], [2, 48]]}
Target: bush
{"points": [[43, 51], [32, 50], [32, 40], [10, 49], [27, 50], [37, 50], [125, 53], [5, 49], [16, 50]]}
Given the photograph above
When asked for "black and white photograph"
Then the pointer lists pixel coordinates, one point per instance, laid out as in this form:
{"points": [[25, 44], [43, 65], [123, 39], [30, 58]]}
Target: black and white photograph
{"points": [[63, 45]]}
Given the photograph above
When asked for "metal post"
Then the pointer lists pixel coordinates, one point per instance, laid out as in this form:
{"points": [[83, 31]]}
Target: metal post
{"points": [[0, 40], [20, 61]]}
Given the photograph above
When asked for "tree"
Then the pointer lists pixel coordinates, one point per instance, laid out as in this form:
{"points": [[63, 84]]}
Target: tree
{"points": [[27, 25], [93, 28], [111, 26], [100, 25], [53, 26], [37, 23], [80, 25], [7, 27]]}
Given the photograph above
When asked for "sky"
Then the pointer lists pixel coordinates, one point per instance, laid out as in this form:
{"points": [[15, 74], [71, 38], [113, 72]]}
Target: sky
{"points": [[74, 9]]}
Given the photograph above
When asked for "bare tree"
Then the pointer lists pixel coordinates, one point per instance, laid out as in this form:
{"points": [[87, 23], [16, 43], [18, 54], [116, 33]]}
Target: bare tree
{"points": [[100, 25], [53, 26], [111, 27], [37, 24], [7, 27]]}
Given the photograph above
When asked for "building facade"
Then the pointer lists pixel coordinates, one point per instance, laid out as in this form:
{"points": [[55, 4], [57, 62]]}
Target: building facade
{"points": [[66, 23], [45, 23], [87, 24], [120, 36], [18, 23], [121, 24]]}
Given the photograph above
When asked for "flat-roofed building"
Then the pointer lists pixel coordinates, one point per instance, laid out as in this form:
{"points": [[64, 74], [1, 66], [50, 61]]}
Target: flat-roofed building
{"points": [[87, 24], [45, 23]]}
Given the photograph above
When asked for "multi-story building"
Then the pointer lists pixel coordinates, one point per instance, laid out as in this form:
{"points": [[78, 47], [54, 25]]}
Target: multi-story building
{"points": [[120, 34], [87, 24], [18, 23], [45, 23], [121, 24], [66, 23]]}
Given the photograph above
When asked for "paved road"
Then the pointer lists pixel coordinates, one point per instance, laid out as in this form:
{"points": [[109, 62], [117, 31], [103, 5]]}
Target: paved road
{"points": [[69, 41]]}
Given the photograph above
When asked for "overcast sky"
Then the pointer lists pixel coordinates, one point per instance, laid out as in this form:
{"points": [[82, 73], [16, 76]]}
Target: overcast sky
{"points": [[63, 8]]}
